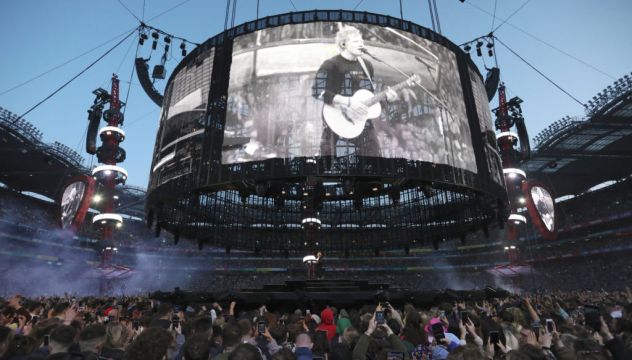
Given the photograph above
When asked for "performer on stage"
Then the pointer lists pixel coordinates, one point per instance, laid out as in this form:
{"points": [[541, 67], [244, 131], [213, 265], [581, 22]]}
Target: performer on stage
{"points": [[337, 80], [320, 273]]}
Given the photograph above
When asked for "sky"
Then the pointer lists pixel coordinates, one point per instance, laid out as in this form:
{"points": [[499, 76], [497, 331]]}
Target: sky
{"points": [[582, 45]]}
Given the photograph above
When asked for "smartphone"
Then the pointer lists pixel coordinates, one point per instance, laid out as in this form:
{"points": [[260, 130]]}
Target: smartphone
{"points": [[536, 330], [394, 355], [379, 317], [465, 317], [46, 340], [175, 321], [549, 325], [34, 320], [493, 337], [591, 314], [261, 327], [437, 332], [135, 324]]}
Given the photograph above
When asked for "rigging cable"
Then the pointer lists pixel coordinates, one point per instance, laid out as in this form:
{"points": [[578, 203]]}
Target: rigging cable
{"points": [[129, 11], [401, 9], [436, 11], [294, 6], [86, 52], [546, 43], [227, 14], [76, 76], [358, 4], [65, 63], [129, 86], [168, 10], [494, 17], [232, 21], [539, 72], [432, 19], [510, 16]]}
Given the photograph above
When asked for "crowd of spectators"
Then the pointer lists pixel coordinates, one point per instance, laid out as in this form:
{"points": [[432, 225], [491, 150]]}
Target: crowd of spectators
{"points": [[540, 325]]}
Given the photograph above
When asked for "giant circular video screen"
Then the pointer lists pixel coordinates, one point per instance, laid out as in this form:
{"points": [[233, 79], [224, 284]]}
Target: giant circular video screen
{"points": [[335, 115]]}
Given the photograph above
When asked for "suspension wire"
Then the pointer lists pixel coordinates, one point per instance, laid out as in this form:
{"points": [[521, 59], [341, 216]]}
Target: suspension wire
{"points": [[232, 21], [358, 4], [401, 9], [143, 10], [494, 16], [257, 9], [227, 14], [131, 75], [510, 16], [432, 19], [436, 11], [65, 63], [546, 43], [129, 11], [76, 76], [168, 10], [539, 72], [294, 6]]}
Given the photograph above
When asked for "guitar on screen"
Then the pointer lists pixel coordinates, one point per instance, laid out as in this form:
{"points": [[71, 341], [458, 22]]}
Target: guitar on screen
{"points": [[347, 123]]}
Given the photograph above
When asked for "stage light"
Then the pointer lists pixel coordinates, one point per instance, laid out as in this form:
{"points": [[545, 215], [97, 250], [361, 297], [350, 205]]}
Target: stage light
{"points": [[479, 52], [506, 247], [97, 198], [522, 200], [183, 49], [167, 40], [143, 37], [512, 247], [119, 225], [155, 36], [467, 48]]}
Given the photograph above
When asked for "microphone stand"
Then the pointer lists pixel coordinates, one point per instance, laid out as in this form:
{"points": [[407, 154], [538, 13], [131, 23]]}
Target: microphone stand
{"points": [[366, 52]]}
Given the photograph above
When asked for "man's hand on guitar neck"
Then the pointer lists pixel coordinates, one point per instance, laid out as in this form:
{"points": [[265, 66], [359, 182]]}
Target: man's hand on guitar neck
{"points": [[391, 95]]}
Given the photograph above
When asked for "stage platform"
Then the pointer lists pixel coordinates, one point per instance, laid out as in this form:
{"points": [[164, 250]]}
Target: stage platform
{"points": [[314, 294]]}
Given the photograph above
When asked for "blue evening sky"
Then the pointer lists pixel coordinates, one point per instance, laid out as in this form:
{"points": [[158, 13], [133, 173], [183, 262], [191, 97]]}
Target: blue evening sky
{"points": [[39, 35]]}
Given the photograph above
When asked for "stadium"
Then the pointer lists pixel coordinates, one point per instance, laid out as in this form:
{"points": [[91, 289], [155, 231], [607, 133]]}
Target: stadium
{"points": [[273, 226]]}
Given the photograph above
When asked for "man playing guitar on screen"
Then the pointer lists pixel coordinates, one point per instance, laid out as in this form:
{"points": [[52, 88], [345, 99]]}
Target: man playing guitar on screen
{"points": [[350, 103]]}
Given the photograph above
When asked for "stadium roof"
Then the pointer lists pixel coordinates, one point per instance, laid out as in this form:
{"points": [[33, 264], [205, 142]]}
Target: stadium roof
{"points": [[29, 164], [574, 154]]}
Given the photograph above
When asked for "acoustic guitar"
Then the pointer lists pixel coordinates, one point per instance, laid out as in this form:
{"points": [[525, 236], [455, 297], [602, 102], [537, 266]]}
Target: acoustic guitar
{"points": [[346, 123]]}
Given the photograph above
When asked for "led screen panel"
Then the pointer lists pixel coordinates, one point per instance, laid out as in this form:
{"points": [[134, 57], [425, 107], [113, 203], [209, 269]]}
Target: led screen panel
{"points": [[185, 102], [494, 162], [70, 202], [300, 91], [544, 205]]}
